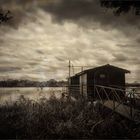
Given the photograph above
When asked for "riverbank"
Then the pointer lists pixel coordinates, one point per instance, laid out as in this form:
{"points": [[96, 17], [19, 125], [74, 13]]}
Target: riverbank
{"points": [[59, 118]]}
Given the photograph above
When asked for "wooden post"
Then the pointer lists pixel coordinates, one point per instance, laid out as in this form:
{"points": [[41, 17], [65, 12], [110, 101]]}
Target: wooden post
{"points": [[82, 69], [131, 105], [73, 69], [82, 82], [69, 68], [113, 103], [94, 95], [69, 80]]}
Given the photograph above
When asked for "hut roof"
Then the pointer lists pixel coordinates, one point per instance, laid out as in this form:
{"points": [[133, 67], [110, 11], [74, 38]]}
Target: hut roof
{"points": [[104, 67]]}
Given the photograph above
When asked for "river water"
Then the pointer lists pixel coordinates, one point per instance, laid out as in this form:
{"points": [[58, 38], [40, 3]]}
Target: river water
{"points": [[13, 94]]}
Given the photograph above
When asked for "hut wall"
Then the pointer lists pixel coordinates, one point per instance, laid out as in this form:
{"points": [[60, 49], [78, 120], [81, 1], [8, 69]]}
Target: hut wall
{"points": [[105, 77], [74, 88], [101, 77], [90, 84], [117, 79], [83, 85]]}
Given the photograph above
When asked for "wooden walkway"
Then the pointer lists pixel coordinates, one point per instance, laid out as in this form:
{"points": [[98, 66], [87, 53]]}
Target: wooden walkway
{"points": [[124, 110], [110, 98]]}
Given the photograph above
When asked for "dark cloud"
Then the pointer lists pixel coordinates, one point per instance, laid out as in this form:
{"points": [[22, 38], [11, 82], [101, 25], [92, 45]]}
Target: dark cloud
{"points": [[138, 40], [89, 10], [9, 69], [33, 63], [59, 58], [14, 3], [39, 52], [126, 58], [1, 41], [72, 9], [120, 57], [79, 11], [128, 45]]}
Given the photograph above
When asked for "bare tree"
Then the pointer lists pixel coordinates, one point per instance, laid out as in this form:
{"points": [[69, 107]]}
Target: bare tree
{"points": [[122, 6], [5, 16]]}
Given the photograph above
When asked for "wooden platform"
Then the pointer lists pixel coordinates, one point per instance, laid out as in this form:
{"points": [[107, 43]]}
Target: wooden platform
{"points": [[124, 110]]}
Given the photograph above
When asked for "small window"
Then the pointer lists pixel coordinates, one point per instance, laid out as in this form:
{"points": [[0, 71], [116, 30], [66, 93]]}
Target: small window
{"points": [[102, 75]]}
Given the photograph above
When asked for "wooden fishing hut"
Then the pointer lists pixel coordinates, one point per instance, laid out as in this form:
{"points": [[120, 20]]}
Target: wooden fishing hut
{"points": [[83, 83]]}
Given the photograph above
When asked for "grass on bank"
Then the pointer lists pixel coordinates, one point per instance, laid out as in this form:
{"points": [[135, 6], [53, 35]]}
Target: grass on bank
{"points": [[58, 118]]}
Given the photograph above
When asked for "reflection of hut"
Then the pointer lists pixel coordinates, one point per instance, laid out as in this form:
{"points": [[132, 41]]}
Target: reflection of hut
{"points": [[83, 83]]}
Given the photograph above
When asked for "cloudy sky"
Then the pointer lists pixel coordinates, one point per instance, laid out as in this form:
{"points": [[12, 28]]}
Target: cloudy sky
{"points": [[44, 34]]}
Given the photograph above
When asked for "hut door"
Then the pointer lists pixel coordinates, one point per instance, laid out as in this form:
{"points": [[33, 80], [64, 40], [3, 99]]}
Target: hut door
{"points": [[83, 85]]}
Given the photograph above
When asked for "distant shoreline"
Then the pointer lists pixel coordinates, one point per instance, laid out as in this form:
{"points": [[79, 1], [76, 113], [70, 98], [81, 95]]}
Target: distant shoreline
{"points": [[33, 87], [28, 83]]}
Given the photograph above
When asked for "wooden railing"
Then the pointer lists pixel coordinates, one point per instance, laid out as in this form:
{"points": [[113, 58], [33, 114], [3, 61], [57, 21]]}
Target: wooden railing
{"points": [[117, 95]]}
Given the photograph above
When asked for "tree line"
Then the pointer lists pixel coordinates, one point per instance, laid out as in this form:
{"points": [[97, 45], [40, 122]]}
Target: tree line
{"points": [[29, 83]]}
